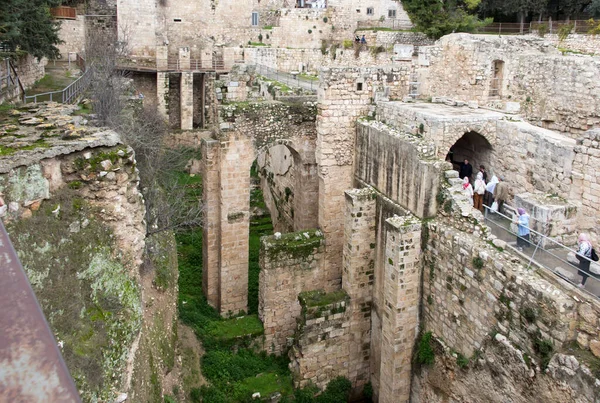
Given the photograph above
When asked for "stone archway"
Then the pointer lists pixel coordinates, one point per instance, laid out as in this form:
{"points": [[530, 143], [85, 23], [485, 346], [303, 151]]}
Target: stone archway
{"points": [[225, 170], [474, 147]]}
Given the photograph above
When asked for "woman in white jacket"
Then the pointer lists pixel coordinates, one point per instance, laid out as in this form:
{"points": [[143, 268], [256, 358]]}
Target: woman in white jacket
{"points": [[479, 190]]}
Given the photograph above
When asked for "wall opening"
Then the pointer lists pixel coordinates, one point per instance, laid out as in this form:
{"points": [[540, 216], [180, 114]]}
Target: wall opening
{"points": [[497, 78], [473, 147]]}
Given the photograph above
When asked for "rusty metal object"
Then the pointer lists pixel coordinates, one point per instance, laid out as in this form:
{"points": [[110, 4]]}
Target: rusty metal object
{"points": [[32, 369]]}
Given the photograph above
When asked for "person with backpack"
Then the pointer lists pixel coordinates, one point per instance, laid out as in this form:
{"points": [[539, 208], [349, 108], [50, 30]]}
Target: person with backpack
{"points": [[585, 255]]}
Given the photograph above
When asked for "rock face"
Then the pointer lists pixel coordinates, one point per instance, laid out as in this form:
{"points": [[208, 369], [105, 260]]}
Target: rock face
{"points": [[503, 373], [76, 219]]}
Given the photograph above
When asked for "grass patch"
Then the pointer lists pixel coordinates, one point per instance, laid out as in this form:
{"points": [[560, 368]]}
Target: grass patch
{"points": [[236, 327], [257, 44], [309, 77], [259, 227]]}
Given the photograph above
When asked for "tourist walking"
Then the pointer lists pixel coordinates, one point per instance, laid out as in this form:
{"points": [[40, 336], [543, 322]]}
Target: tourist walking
{"points": [[356, 39], [522, 229], [363, 40], [584, 255], [478, 192], [489, 191], [468, 189], [501, 193], [465, 170], [482, 170]]}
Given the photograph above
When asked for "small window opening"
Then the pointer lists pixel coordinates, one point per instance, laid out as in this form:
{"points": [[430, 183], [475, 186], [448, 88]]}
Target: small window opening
{"points": [[359, 86], [391, 13], [177, 19], [370, 11], [254, 19]]}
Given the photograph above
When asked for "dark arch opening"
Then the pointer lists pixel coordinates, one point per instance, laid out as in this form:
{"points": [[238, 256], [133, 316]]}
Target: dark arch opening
{"points": [[473, 147]]}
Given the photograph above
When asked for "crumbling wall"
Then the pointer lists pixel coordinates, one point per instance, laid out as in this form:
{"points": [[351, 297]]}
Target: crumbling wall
{"points": [[289, 265], [554, 91], [321, 343]]}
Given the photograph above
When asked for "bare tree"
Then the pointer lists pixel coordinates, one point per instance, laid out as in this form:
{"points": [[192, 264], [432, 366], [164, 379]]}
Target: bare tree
{"points": [[170, 205]]}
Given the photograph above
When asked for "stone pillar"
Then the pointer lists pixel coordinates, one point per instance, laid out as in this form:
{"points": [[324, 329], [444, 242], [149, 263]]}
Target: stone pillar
{"points": [[237, 155], [211, 230], [399, 324], [162, 57], [341, 103], [184, 59], [162, 93], [187, 100], [306, 197], [357, 279]]}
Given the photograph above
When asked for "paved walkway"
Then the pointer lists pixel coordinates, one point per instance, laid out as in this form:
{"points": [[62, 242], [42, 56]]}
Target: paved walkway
{"points": [[554, 259]]}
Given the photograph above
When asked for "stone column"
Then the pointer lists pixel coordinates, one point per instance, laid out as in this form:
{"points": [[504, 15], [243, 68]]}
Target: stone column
{"points": [[400, 307], [211, 230], [187, 100], [357, 278], [162, 57], [237, 154], [184, 59], [306, 197], [162, 93]]}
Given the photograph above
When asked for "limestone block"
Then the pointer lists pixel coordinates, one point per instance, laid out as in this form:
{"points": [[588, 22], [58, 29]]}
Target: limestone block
{"points": [[595, 347]]}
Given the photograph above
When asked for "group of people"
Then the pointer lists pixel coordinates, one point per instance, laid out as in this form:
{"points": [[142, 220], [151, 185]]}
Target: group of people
{"points": [[494, 193], [483, 193], [362, 40]]}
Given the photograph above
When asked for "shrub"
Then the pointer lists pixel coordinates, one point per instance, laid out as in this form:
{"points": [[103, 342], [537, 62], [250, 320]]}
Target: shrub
{"points": [[478, 263], [594, 27], [260, 37], [462, 361], [565, 31], [325, 19], [347, 43], [310, 31], [542, 30], [425, 354]]}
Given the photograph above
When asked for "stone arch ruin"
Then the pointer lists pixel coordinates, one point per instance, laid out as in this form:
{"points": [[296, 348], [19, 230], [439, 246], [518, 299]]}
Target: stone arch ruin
{"points": [[227, 160], [474, 147]]}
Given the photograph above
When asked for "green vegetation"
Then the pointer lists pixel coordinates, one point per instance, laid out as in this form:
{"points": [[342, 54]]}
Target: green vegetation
{"points": [[269, 27], [564, 31], [462, 361], [308, 77], [319, 298], [337, 391], [259, 227], [425, 354], [257, 44], [435, 18], [236, 327], [478, 263], [27, 26]]}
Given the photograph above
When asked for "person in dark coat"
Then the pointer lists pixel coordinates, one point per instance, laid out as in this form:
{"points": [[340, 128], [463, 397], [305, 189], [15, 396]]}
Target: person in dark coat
{"points": [[465, 170]]}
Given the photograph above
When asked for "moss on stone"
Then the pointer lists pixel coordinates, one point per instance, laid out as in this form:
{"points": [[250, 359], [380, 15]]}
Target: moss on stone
{"points": [[319, 298], [296, 245]]}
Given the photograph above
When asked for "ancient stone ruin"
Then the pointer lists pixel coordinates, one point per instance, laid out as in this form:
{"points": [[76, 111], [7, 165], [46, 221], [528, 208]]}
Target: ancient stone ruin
{"points": [[378, 258]]}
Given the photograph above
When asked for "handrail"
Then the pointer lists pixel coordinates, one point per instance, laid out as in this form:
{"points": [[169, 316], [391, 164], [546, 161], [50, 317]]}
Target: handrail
{"points": [[32, 365], [67, 95], [546, 250]]}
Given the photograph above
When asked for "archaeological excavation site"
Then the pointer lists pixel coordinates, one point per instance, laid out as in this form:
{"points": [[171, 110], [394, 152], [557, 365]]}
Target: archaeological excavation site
{"points": [[299, 201]]}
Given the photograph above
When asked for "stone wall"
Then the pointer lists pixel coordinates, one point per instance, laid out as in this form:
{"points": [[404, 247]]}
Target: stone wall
{"points": [[289, 265], [321, 343], [312, 60], [471, 288], [586, 177], [554, 91], [30, 69], [72, 32], [582, 43], [401, 166]]}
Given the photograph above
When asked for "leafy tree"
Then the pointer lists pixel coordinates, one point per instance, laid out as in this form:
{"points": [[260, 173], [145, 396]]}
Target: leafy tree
{"points": [[511, 7], [27, 25], [437, 18], [594, 8]]}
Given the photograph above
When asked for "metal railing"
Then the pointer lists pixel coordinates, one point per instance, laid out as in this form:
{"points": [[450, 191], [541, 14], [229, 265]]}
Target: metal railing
{"points": [[68, 95], [543, 252], [28, 351], [289, 79], [548, 27], [391, 23]]}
